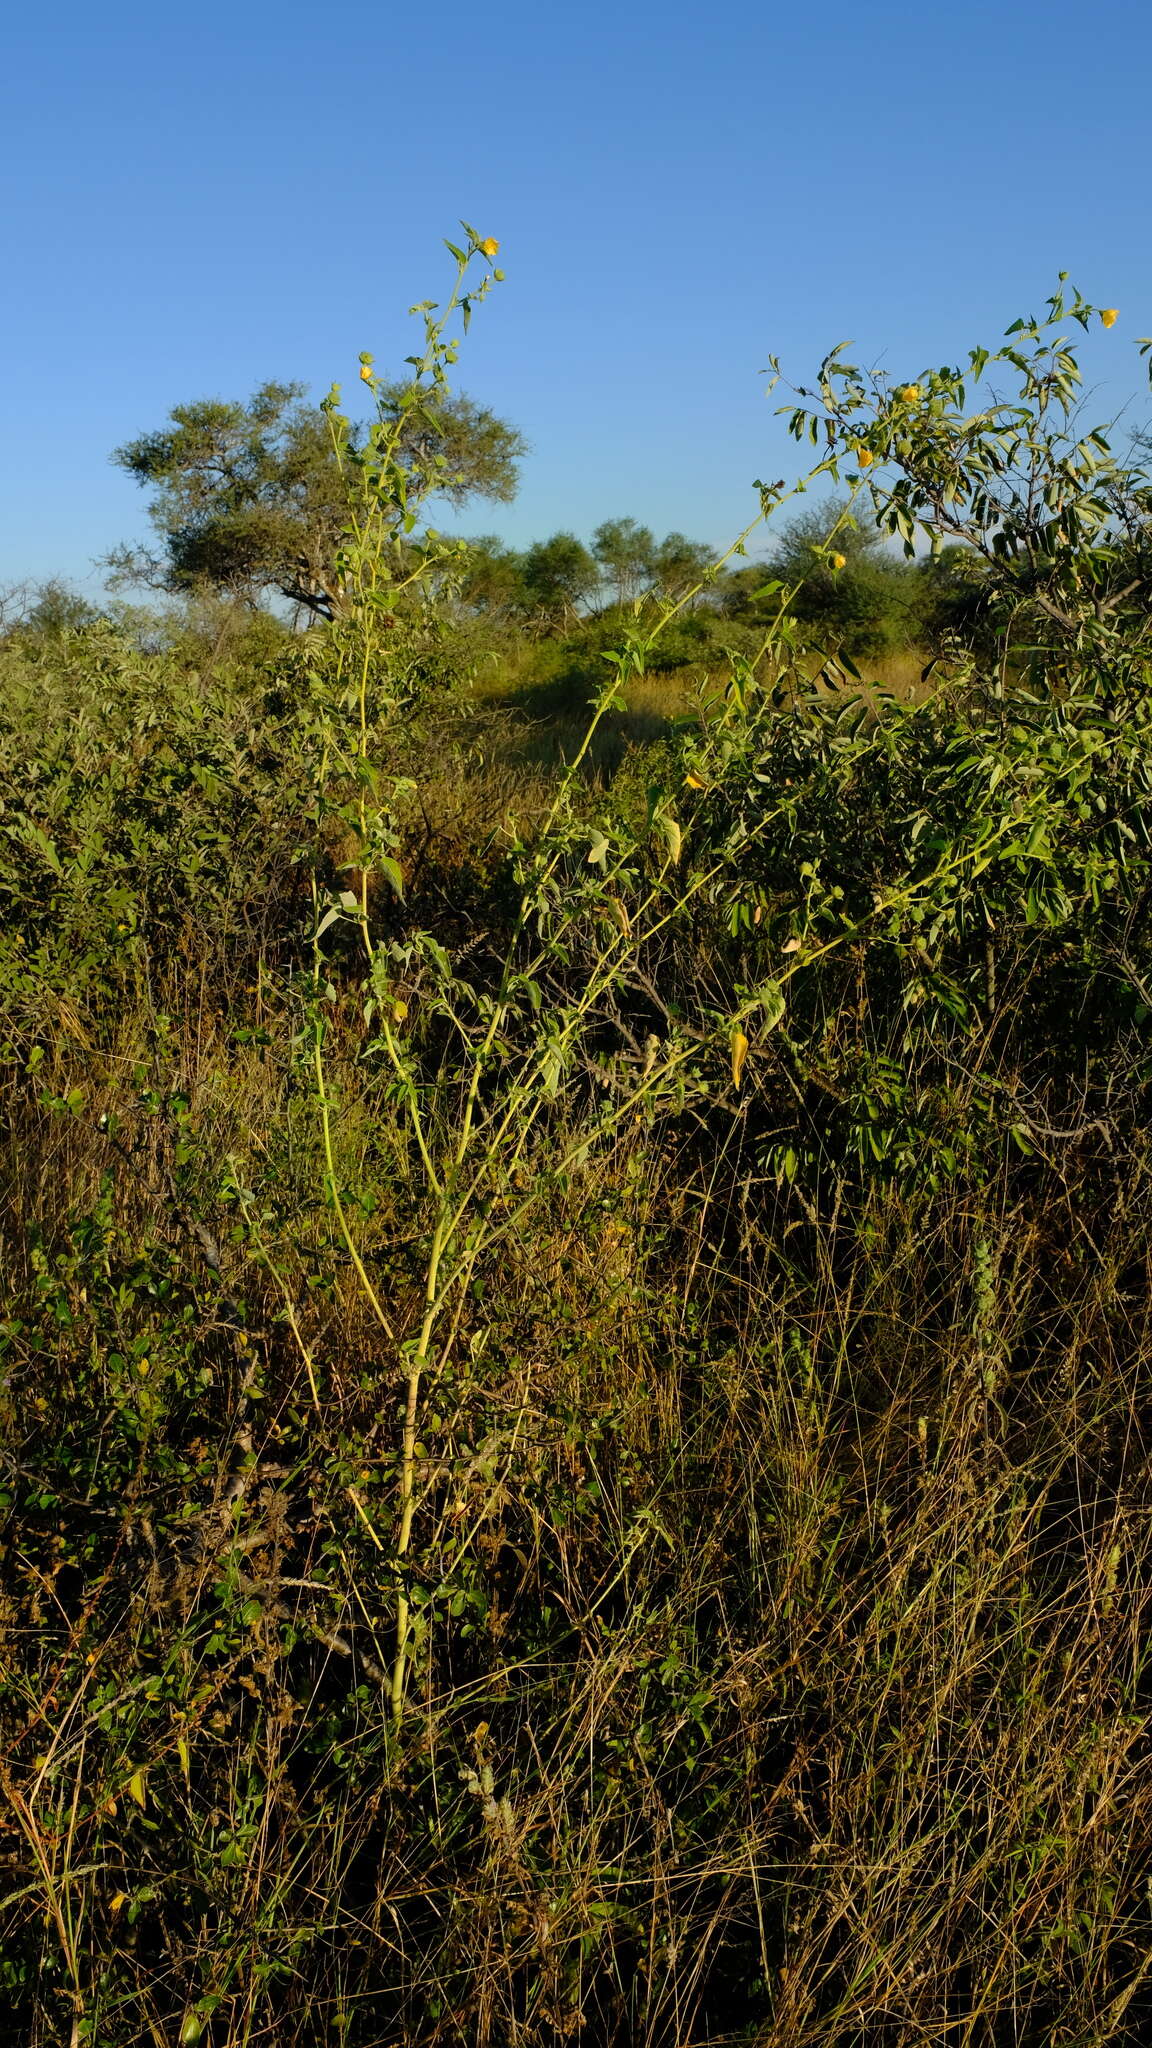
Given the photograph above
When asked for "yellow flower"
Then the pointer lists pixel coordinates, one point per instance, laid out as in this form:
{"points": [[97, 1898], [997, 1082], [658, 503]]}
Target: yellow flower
{"points": [[739, 1055], [367, 373], [839, 561], [1109, 316], [865, 457], [490, 246], [908, 392]]}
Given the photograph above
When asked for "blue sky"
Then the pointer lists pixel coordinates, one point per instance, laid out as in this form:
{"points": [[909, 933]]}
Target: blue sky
{"points": [[201, 199]]}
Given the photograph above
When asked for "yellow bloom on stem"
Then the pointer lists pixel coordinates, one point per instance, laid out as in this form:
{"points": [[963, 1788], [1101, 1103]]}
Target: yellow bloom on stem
{"points": [[865, 457], [367, 373], [1109, 316], [490, 246], [739, 1055], [909, 393], [839, 561]]}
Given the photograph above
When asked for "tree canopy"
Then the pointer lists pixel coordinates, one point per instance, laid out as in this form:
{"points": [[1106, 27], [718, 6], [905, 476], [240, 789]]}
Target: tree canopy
{"points": [[557, 576], [250, 497]]}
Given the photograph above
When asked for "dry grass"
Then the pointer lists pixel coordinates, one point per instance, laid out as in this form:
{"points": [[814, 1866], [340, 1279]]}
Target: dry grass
{"points": [[546, 730], [787, 1658]]}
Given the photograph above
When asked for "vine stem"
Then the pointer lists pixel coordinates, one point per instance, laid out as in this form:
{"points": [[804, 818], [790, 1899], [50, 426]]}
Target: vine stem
{"points": [[419, 1361]]}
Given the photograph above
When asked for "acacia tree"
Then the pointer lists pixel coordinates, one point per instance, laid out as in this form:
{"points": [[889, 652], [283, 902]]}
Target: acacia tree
{"points": [[489, 578], [559, 575], [849, 586], [48, 610], [626, 553], [680, 564], [249, 498], [632, 562]]}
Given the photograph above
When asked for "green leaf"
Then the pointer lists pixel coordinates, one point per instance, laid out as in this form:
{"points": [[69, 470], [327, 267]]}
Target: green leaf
{"points": [[672, 833], [769, 998]]}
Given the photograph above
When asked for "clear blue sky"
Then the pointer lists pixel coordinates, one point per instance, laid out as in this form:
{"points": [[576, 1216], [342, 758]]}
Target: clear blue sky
{"points": [[199, 199]]}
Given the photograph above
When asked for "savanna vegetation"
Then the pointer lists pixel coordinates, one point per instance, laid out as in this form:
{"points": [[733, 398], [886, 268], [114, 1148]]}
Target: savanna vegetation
{"points": [[577, 1330]]}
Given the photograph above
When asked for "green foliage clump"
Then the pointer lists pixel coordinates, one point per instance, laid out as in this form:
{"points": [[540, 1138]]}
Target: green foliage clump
{"points": [[852, 594], [142, 806]]}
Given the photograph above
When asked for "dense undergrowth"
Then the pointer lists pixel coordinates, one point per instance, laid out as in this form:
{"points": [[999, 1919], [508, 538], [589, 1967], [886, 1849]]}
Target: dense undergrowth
{"points": [[576, 1352]]}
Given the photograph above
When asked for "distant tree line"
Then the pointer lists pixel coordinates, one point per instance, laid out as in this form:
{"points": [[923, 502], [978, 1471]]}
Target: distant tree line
{"points": [[858, 595], [555, 582], [249, 503]]}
